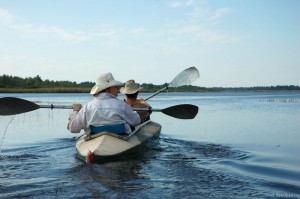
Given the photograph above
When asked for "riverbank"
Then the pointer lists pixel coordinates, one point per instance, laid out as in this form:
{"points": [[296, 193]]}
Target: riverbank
{"points": [[45, 90], [87, 90]]}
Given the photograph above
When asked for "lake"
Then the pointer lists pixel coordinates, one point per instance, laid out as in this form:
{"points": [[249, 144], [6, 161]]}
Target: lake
{"points": [[240, 145]]}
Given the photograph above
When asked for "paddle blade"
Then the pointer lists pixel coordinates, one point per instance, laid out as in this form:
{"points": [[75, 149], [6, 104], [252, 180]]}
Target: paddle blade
{"points": [[182, 111], [13, 106], [186, 77]]}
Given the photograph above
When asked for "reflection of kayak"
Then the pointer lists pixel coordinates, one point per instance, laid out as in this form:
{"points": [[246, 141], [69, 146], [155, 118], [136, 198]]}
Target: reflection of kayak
{"points": [[106, 145]]}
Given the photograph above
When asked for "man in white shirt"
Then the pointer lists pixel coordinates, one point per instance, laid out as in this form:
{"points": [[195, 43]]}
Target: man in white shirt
{"points": [[105, 111]]}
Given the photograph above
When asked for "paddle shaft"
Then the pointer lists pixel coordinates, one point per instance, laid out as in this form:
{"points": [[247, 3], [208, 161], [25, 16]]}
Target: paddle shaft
{"points": [[156, 93], [56, 106], [182, 111], [51, 106], [13, 106]]}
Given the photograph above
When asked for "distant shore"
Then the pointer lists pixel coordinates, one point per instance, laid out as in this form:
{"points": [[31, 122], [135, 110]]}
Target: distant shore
{"points": [[45, 90], [87, 90], [14, 84]]}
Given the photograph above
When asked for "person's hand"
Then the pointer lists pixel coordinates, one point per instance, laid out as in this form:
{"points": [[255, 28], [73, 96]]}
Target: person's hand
{"points": [[150, 110], [142, 101], [76, 107]]}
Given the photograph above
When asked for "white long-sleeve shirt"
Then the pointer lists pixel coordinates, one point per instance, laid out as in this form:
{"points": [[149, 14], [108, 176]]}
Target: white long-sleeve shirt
{"points": [[105, 109]]}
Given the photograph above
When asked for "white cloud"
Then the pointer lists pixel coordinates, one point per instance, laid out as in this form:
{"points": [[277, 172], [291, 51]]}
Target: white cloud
{"points": [[218, 14], [190, 2], [178, 3], [206, 35], [5, 16], [198, 14], [137, 31], [51, 32], [200, 23], [175, 4], [106, 30], [205, 14]]}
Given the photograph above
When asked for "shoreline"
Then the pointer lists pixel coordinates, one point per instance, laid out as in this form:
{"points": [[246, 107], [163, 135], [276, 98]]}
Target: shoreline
{"points": [[87, 90]]}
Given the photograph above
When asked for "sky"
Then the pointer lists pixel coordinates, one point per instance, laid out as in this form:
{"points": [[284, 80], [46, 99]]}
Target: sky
{"points": [[233, 43]]}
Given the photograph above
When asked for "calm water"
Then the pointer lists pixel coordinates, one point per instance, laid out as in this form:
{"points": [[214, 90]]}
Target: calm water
{"points": [[240, 145]]}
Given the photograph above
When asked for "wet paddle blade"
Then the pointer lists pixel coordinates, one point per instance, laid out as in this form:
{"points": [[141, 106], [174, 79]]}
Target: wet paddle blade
{"points": [[186, 77], [182, 111], [13, 106]]}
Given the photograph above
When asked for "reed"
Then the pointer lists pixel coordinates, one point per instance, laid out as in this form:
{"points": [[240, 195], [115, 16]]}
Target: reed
{"points": [[278, 100]]}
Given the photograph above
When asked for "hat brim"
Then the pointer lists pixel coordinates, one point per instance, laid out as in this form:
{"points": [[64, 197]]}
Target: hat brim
{"points": [[98, 88], [126, 91]]}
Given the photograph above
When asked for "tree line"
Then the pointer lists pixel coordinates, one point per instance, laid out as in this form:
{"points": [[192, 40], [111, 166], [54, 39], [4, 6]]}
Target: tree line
{"points": [[7, 81], [34, 83]]}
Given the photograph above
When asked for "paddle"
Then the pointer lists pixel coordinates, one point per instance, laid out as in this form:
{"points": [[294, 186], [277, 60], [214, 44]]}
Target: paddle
{"points": [[186, 77], [181, 111], [13, 106]]}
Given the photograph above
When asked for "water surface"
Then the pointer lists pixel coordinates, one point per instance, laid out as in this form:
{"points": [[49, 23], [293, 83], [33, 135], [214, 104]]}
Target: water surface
{"points": [[240, 145]]}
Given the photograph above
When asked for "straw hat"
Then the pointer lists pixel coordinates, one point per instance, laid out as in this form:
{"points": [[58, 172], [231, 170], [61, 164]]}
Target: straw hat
{"points": [[105, 81], [130, 87]]}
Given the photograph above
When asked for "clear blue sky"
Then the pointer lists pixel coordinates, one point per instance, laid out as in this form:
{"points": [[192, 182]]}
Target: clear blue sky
{"points": [[231, 42]]}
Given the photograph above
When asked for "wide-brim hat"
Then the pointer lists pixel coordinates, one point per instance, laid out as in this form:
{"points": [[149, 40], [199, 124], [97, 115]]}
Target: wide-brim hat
{"points": [[130, 87], [105, 81]]}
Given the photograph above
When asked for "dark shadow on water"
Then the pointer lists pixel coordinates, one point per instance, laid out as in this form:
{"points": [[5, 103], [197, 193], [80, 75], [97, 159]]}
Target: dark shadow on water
{"points": [[169, 168], [23, 156]]}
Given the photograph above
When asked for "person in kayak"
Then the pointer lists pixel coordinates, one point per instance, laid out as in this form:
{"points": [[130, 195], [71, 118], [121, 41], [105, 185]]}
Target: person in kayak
{"points": [[131, 90], [105, 112]]}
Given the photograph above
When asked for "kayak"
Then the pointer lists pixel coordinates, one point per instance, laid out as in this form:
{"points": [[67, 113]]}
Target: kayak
{"points": [[106, 145]]}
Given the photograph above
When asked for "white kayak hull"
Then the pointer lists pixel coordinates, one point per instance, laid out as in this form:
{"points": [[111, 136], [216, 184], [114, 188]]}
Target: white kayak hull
{"points": [[105, 145]]}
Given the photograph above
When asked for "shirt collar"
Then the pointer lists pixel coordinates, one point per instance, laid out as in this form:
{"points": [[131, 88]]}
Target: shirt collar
{"points": [[105, 96]]}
